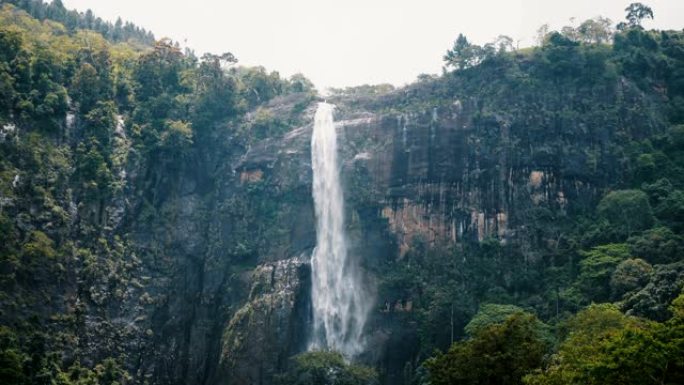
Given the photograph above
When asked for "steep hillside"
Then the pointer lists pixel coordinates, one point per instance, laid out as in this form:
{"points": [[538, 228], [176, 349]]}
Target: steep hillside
{"points": [[128, 232]]}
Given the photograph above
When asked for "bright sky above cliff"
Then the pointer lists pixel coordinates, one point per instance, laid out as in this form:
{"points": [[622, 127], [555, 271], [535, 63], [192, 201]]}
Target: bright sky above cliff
{"points": [[351, 42]]}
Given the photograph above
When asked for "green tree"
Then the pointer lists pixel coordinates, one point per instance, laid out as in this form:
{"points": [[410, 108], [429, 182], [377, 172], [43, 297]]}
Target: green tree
{"points": [[636, 12], [631, 274], [504, 44], [299, 83], [109, 372], [580, 347], [215, 95], [560, 57], [10, 46], [159, 72], [326, 368], [606, 347], [100, 122], [177, 138], [463, 54], [490, 314], [671, 210], [11, 367], [677, 308], [628, 211], [657, 245], [597, 267], [39, 247], [595, 31], [652, 301], [92, 171], [259, 86], [11, 359], [85, 87], [497, 354]]}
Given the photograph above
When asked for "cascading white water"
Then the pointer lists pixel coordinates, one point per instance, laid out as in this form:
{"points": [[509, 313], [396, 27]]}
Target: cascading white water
{"points": [[339, 310]]}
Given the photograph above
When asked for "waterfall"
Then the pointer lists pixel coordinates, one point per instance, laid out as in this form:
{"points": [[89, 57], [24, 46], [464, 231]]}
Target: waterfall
{"points": [[339, 309]]}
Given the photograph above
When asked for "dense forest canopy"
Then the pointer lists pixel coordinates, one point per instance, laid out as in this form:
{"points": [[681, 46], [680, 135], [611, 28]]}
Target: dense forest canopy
{"points": [[73, 20], [110, 140]]}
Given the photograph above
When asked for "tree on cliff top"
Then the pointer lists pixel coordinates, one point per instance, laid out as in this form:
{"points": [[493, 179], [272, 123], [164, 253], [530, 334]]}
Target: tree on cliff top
{"points": [[636, 12], [463, 54]]}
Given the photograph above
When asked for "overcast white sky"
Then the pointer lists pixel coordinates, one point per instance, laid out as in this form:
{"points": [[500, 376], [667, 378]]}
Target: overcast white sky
{"points": [[351, 42]]}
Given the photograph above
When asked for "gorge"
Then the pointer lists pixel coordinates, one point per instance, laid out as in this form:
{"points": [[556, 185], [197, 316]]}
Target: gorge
{"points": [[167, 219]]}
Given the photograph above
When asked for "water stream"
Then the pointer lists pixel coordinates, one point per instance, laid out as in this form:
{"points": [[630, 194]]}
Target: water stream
{"points": [[339, 309]]}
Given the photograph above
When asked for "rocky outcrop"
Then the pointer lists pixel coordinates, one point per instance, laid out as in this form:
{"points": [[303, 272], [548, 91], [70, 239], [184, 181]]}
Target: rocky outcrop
{"points": [[271, 326]]}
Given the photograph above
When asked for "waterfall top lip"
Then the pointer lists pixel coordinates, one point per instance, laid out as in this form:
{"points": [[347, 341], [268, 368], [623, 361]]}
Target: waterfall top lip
{"points": [[325, 111], [325, 103]]}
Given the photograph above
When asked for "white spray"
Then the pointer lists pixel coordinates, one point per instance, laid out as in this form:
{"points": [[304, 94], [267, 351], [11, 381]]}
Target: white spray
{"points": [[339, 309]]}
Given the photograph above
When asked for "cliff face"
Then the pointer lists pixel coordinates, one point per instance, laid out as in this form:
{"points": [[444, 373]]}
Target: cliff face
{"points": [[187, 274], [230, 251], [452, 173], [492, 181]]}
